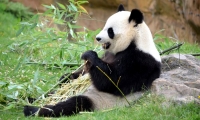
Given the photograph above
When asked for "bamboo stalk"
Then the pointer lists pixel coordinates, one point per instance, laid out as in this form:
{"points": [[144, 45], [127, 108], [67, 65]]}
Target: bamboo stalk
{"points": [[59, 82], [54, 64], [45, 94], [195, 54], [171, 48], [113, 84]]}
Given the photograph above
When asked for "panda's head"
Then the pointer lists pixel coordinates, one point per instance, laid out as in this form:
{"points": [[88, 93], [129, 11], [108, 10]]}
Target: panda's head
{"points": [[124, 27]]}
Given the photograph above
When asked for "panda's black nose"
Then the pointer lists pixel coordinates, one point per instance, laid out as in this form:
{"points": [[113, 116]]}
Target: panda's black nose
{"points": [[98, 38]]}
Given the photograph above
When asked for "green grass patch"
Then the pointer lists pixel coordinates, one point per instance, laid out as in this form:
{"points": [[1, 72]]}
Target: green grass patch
{"points": [[150, 107], [164, 42]]}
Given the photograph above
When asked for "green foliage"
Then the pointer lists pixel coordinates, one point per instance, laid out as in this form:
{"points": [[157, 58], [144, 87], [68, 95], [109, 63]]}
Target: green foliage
{"points": [[32, 54], [164, 42], [48, 45], [17, 9], [150, 107]]}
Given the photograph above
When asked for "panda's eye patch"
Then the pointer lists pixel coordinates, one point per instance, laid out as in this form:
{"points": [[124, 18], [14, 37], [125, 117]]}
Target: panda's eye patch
{"points": [[111, 33]]}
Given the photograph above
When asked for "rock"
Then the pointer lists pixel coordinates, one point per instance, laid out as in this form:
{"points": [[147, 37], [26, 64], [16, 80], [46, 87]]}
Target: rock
{"points": [[106, 3], [180, 79], [179, 18]]}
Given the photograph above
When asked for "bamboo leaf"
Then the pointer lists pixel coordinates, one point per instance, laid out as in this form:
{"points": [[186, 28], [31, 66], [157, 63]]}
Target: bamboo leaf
{"points": [[61, 15], [83, 9], [61, 54], [33, 25], [9, 107], [20, 31], [74, 7], [53, 6], [61, 6], [49, 7], [82, 2], [36, 76], [70, 8]]}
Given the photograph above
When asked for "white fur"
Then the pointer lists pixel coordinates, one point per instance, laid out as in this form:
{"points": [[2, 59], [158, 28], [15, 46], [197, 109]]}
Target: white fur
{"points": [[144, 41], [125, 33], [102, 100]]}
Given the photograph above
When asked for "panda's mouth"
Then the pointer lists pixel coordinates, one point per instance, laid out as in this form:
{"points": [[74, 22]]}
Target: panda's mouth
{"points": [[106, 45]]}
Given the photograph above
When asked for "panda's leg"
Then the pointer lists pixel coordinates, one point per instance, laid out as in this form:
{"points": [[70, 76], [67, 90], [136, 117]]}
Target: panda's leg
{"points": [[69, 107]]}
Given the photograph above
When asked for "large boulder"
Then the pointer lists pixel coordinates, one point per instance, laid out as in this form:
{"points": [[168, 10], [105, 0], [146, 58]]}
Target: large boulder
{"points": [[180, 79]]}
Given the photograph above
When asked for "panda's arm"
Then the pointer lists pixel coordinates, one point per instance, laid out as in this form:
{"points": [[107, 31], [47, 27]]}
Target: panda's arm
{"points": [[70, 76], [100, 80]]}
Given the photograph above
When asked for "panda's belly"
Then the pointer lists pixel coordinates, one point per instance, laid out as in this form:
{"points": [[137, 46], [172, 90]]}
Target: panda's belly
{"points": [[102, 100]]}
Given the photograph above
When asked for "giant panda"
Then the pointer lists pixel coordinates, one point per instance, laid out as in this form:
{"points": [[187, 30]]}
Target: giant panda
{"points": [[131, 61]]}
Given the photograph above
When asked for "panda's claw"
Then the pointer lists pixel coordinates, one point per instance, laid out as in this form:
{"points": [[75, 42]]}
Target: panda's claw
{"points": [[89, 55]]}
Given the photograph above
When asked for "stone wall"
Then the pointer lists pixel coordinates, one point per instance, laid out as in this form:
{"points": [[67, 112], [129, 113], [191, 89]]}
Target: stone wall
{"points": [[35, 5], [179, 18]]}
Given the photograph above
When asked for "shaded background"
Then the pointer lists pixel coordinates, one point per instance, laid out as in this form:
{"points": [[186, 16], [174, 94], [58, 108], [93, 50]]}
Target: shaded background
{"points": [[180, 19]]}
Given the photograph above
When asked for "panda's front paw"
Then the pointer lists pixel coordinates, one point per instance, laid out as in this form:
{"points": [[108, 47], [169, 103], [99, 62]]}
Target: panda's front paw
{"points": [[89, 56], [67, 77]]}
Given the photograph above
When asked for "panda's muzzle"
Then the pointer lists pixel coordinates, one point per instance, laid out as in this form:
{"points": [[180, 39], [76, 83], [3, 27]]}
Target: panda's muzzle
{"points": [[106, 45]]}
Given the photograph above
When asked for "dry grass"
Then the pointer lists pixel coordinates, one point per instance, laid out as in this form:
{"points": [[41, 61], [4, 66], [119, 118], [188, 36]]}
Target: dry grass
{"points": [[74, 87]]}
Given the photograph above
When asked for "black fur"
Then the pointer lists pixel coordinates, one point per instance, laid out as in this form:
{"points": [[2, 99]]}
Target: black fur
{"points": [[111, 33], [137, 16], [132, 69], [69, 107], [120, 8], [30, 110]]}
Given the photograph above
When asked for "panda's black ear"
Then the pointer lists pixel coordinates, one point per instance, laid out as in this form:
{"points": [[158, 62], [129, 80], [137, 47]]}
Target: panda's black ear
{"points": [[137, 16], [121, 8]]}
